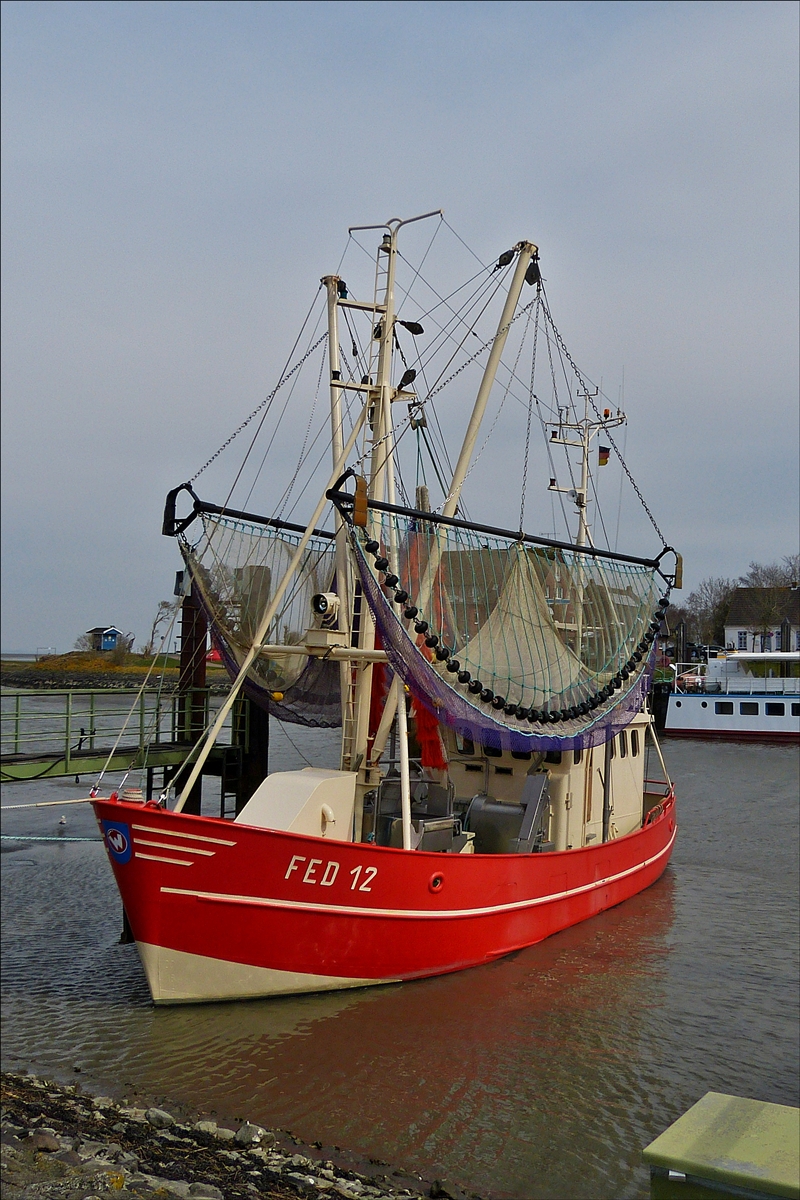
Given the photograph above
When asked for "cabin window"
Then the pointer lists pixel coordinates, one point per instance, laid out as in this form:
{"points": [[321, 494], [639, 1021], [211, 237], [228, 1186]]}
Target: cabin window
{"points": [[748, 708], [464, 745], [623, 744], [635, 743], [553, 756], [724, 708], [492, 752], [577, 755], [504, 770], [742, 639], [796, 710], [775, 709], [613, 745], [524, 755]]}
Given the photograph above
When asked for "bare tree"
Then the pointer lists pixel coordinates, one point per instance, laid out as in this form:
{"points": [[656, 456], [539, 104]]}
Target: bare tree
{"points": [[769, 611], [677, 613], [791, 565], [709, 605], [164, 614], [84, 643], [772, 575]]}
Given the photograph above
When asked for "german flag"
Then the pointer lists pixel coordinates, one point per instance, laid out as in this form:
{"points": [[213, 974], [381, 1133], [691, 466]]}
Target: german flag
{"points": [[602, 455]]}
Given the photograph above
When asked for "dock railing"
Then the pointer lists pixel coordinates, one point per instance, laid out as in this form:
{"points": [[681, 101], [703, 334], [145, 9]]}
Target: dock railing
{"points": [[72, 726]]}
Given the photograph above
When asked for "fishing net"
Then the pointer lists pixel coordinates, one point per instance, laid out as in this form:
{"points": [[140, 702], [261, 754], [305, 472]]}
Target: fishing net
{"points": [[234, 567], [506, 640]]}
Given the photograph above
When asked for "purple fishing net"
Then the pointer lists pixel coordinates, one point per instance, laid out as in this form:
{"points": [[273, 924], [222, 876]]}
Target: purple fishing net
{"points": [[313, 699], [452, 708]]}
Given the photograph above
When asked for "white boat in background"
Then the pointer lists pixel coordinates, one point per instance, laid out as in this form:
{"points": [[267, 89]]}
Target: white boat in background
{"points": [[742, 695]]}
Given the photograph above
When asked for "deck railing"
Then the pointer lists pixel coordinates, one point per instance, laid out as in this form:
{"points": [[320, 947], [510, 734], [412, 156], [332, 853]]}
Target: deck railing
{"points": [[691, 678]]}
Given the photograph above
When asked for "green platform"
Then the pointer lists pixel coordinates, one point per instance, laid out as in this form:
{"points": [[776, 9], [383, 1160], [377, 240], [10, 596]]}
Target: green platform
{"points": [[727, 1146]]}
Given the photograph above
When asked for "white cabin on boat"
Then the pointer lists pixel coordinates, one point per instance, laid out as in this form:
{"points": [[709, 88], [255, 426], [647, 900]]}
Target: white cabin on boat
{"points": [[748, 695]]}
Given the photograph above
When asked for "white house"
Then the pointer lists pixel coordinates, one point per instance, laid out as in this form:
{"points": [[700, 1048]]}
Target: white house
{"points": [[760, 619]]}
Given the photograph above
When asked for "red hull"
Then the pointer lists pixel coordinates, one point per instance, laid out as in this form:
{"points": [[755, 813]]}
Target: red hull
{"points": [[255, 905]]}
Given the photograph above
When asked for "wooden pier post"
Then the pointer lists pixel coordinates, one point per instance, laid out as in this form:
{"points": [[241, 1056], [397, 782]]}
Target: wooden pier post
{"points": [[253, 736], [192, 704]]}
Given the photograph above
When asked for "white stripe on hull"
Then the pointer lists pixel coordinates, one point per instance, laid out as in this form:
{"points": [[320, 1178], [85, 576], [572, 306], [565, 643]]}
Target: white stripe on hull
{"points": [[175, 977], [425, 914]]}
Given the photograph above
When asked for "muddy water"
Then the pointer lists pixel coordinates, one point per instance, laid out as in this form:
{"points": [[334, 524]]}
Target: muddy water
{"points": [[542, 1075]]}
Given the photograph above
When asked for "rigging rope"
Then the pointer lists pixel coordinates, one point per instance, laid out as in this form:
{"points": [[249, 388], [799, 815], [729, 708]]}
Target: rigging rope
{"points": [[290, 486], [585, 384], [266, 401], [440, 387], [530, 413]]}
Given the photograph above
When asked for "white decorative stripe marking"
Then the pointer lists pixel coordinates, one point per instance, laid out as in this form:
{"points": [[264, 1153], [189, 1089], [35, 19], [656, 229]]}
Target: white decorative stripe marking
{"points": [[140, 841], [178, 862], [418, 913], [195, 837]]}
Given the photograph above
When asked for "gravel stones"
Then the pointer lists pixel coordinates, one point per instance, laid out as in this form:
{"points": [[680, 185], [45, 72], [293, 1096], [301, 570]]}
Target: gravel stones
{"points": [[54, 1148], [47, 1142], [159, 1118], [250, 1135], [205, 1126]]}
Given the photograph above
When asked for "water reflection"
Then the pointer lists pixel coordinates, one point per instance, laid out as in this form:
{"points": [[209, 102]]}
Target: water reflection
{"points": [[541, 1075]]}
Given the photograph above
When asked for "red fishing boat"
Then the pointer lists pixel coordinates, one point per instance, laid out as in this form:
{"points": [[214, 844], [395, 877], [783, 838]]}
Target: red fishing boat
{"points": [[489, 684]]}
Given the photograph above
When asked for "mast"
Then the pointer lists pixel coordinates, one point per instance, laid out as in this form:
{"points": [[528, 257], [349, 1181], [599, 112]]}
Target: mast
{"points": [[525, 252], [379, 399], [272, 608], [585, 430], [336, 289]]}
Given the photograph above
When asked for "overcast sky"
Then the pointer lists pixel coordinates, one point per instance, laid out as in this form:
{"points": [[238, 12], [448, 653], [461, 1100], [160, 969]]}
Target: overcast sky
{"points": [[178, 176]]}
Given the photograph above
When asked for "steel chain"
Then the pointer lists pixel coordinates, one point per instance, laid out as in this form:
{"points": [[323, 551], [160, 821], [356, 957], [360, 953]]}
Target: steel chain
{"points": [[267, 400], [584, 384], [530, 412], [480, 350], [293, 480]]}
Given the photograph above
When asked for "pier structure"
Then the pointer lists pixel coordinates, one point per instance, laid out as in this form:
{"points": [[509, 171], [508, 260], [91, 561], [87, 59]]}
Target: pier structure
{"points": [[72, 732], [50, 733]]}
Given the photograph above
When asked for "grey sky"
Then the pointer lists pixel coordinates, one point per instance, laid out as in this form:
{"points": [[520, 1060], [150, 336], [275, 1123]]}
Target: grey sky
{"points": [[177, 176]]}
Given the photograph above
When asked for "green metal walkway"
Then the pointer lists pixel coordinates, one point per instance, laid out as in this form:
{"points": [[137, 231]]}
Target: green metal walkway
{"points": [[47, 734]]}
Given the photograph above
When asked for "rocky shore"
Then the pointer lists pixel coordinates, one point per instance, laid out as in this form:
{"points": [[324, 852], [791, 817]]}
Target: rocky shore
{"points": [[39, 677], [19, 677], [60, 1142]]}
